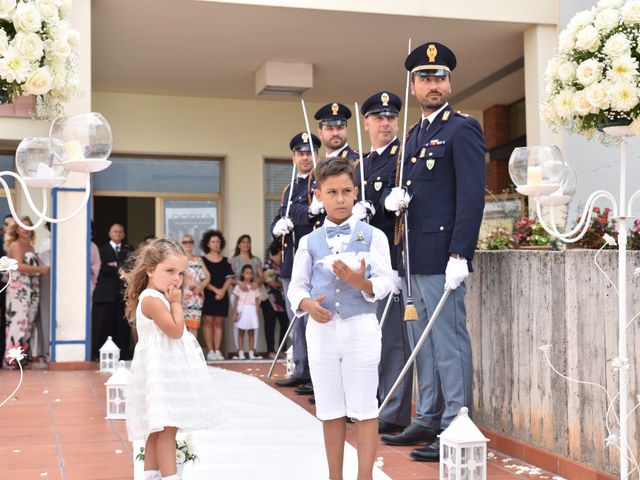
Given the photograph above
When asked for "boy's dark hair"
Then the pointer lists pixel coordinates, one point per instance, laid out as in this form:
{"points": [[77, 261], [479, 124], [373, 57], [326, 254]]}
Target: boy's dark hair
{"points": [[275, 247], [206, 236], [333, 166]]}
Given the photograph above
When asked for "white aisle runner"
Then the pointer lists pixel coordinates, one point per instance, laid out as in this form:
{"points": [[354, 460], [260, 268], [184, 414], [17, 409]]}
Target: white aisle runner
{"points": [[267, 436]]}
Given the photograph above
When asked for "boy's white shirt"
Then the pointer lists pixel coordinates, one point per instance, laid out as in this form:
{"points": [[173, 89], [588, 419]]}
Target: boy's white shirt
{"points": [[377, 257]]}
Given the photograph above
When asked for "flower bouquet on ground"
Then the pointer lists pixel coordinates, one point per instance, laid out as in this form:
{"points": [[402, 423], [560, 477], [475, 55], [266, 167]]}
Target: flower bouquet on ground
{"points": [[593, 80], [527, 232], [38, 53], [184, 452]]}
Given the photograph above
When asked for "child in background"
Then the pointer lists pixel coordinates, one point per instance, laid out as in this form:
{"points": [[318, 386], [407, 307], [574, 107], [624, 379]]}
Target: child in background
{"points": [[246, 302], [170, 388]]}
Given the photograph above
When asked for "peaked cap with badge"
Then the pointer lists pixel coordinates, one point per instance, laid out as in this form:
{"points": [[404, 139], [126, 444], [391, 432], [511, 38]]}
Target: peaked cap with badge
{"points": [[333, 114], [300, 142], [384, 103], [431, 59]]}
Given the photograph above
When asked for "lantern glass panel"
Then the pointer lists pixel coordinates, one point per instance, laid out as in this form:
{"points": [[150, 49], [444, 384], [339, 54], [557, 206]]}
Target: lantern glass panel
{"points": [[478, 473], [445, 451], [112, 394], [454, 457], [478, 454], [465, 455]]}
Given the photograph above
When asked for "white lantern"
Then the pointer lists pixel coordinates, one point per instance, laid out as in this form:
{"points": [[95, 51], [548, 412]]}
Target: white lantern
{"points": [[290, 364], [116, 392], [109, 356], [463, 450]]}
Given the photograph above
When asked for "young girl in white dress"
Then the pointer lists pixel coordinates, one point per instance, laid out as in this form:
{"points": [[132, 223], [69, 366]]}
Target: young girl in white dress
{"points": [[246, 302], [170, 388]]}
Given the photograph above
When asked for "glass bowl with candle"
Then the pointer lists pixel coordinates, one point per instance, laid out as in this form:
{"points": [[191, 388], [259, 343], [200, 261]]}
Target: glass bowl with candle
{"points": [[36, 164], [536, 170], [567, 190], [82, 142]]}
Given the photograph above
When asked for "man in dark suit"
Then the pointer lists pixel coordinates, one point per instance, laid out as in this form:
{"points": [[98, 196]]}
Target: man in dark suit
{"points": [[332, 130], [380, 113], [442, 186], [305, 214], [108, 302]]}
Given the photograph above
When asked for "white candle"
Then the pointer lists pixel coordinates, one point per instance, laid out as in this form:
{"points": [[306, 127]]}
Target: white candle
{"points": [[534, 175], [73, 151], [44, 171]]}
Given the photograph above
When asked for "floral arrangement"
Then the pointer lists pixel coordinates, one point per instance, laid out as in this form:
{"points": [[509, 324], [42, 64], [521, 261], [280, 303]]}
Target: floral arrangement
{"points": [[184, 452], [38, 53], [594, 79], [527, 231], [600, 226]]}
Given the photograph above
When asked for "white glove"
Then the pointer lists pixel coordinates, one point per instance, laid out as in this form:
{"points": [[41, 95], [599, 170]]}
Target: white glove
{"points": [[397, 200], [282, 227], [457, 270], [362, 210], [316, 207]]}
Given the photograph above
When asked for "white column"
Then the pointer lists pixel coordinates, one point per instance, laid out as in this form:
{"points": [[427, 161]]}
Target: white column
{"points": [[70, 329]]}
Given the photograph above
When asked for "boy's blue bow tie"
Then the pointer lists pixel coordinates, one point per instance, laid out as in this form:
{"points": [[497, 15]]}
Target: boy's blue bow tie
{"points": [[345, 229]]}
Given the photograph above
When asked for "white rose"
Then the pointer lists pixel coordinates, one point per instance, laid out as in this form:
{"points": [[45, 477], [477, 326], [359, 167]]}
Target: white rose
{"points": [[39, 83], [4, 42], [624, 96], [581, 104], [617, 45], [579, 21], [60, 49], [607, 19], [48, 9], [566, 41], [27, 18], [631, 12], [598, 95], [65, 7], [567, 72], [588, 72], [563, 103], [73, 37], [552, 69], [14, 67], [549, 113], [7, 7], [29, 45], [623, 68], [588, 39], [180, 457], [605, 4]]}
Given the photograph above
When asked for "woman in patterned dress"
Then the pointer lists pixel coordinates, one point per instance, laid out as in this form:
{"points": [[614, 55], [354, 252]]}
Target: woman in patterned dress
{"points": [[23, 292], [196, 279]]}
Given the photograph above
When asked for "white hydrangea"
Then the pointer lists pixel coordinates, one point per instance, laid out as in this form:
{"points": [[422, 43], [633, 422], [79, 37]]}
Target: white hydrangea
{"points": [[589, 72], [624, 96], [631, 12], [549, 113], [617, 45], [73, 37], [14, 67], [588, 39]]}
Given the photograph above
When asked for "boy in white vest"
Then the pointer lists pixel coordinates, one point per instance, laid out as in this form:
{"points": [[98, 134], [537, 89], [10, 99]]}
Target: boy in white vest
{"points": [[340, 271]]}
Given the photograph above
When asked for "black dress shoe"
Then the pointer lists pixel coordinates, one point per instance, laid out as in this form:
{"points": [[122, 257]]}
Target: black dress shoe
{"points": [[430, 453], [291, 382], [312, 400], [388, 427], [412, 435], [306, 389]]}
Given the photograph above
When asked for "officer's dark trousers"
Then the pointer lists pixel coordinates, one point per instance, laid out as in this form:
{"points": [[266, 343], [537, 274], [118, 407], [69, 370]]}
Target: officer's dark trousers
{"points": [[300, 357]]}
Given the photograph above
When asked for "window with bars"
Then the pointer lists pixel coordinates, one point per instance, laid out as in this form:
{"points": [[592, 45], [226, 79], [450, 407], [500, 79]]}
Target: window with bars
{"points": [[277, 175]]}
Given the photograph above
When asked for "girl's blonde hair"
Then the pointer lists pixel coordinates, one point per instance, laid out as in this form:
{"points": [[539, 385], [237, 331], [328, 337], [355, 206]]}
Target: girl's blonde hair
{"points": [[139, 263], [12, 234]]}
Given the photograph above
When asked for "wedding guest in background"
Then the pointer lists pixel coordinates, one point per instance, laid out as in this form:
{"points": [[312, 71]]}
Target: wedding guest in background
{"points": [[274, 309], [43, 321], [23, 293], [196, 279]]}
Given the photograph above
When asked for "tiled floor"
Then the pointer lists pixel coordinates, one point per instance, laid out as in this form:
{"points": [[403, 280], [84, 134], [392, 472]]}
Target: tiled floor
{"points": [[54, 429]]}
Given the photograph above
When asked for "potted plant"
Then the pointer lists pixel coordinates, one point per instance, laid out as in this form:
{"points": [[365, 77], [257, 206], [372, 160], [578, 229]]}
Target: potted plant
{"points": [[600, 224], [498, 239], [528, 234], [633, 242]]}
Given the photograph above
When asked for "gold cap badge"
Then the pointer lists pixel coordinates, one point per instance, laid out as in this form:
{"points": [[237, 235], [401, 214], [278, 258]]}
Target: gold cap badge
{"points": [[385, 99], [334, 108], [305, 137], [432, 52]]}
